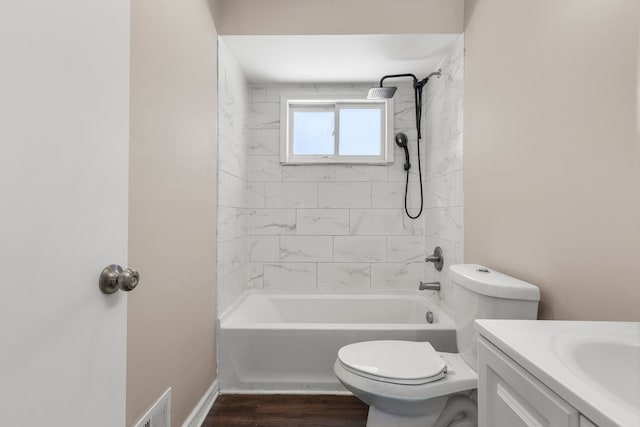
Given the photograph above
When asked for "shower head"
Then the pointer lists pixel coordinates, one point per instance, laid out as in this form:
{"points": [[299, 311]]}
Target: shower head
{"points": [[381, 92], [401, 139]]}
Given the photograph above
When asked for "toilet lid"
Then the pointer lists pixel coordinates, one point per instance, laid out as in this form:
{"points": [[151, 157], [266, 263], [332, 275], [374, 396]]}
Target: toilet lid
{"points": [[400, 362]]}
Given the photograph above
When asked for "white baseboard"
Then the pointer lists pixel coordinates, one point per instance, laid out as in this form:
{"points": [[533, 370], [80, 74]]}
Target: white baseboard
{"points": [[199, 413]]}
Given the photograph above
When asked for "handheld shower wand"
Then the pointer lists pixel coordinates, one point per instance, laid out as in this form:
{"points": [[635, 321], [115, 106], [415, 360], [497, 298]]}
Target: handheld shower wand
{"points": [[401, 141]]}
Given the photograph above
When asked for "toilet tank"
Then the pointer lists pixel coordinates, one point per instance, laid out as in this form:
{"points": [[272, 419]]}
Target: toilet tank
{"points": [[483, 293]]}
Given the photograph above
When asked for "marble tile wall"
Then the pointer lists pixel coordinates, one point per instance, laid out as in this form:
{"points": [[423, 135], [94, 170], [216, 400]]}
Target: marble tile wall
{"points": [[233, 189], [330, 227], [335, 227], [443, 128]]}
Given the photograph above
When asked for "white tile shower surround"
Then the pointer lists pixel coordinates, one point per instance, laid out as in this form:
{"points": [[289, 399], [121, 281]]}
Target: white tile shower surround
{"points": [[233, 189], [329, 227], [322, 222], [443, 184], [335, 227]]}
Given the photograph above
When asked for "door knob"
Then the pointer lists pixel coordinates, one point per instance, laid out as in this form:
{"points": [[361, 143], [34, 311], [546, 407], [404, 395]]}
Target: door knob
{"points": [[113, 277]]}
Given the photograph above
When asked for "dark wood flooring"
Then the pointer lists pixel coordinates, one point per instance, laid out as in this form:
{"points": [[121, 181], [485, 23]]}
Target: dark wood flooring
{"points": [[280, 410]]}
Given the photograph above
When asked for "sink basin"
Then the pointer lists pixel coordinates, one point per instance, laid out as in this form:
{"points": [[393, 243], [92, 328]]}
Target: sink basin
{"points": [[607, 357], [614, 366]]}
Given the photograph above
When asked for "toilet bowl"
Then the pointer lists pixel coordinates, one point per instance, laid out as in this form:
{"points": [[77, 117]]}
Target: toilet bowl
{"points": [[410, 384], [413, 400]]}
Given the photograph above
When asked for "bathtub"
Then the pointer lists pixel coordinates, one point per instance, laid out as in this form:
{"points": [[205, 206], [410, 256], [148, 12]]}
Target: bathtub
{"points": [[271, 342]]}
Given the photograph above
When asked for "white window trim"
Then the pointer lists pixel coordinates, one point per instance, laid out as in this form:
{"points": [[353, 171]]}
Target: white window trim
{"points": [[286, 155]]}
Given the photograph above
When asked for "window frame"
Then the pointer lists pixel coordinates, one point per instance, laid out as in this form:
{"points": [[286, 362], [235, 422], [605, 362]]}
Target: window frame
{"points": [[289, 103]]}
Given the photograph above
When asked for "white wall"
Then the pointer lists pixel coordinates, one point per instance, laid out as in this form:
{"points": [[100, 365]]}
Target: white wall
{"points": [[443, 123], [233, 117]]}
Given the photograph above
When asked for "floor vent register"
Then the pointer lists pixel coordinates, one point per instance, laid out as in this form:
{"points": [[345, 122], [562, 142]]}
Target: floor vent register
{"points": [[160, 413]]}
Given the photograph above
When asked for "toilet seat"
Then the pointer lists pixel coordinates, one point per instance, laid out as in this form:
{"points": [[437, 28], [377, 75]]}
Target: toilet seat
{"points": [[396, 362], [460, 377]]}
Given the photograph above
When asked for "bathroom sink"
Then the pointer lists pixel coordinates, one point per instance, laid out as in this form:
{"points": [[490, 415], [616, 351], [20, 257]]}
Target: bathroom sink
{"points": [[608, 357], [593, 366]]}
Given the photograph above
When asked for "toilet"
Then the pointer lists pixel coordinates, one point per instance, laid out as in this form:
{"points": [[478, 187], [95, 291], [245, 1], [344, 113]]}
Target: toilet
{"points": [[410, 384]]}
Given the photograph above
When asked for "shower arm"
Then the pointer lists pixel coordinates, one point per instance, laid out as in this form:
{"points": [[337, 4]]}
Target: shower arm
{"points": [[417, 84], [392, 76]]}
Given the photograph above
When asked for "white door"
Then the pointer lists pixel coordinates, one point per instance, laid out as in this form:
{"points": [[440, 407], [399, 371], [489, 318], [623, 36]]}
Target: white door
{"points": [[64, 76]]}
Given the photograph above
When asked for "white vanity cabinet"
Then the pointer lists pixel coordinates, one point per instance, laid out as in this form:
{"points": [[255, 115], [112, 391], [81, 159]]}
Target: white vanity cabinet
{"points": [[509, 396]]}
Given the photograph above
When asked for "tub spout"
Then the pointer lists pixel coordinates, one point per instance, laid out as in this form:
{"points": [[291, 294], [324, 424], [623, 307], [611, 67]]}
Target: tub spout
{"points": [[429, 286]]}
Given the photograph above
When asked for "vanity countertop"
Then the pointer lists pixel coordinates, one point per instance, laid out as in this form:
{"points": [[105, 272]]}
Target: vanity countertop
{"points": [[594, 366]]}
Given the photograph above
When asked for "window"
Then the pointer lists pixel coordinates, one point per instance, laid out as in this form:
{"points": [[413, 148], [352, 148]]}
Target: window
{"points": [[335, 130]]}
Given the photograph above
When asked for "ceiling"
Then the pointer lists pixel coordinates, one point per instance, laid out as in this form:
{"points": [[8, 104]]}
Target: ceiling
{"points": [[341, 58]]}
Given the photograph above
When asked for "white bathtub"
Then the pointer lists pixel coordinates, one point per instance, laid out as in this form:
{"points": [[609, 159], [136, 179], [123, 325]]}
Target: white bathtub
{"points": [[288, 343]]}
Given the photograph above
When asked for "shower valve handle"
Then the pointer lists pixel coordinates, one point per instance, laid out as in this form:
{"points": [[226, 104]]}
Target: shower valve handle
{"points": [[437, 258]]}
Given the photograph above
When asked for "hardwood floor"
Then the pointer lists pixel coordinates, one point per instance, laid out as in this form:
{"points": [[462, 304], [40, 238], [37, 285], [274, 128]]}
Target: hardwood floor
{"points": [[242, 410]]}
